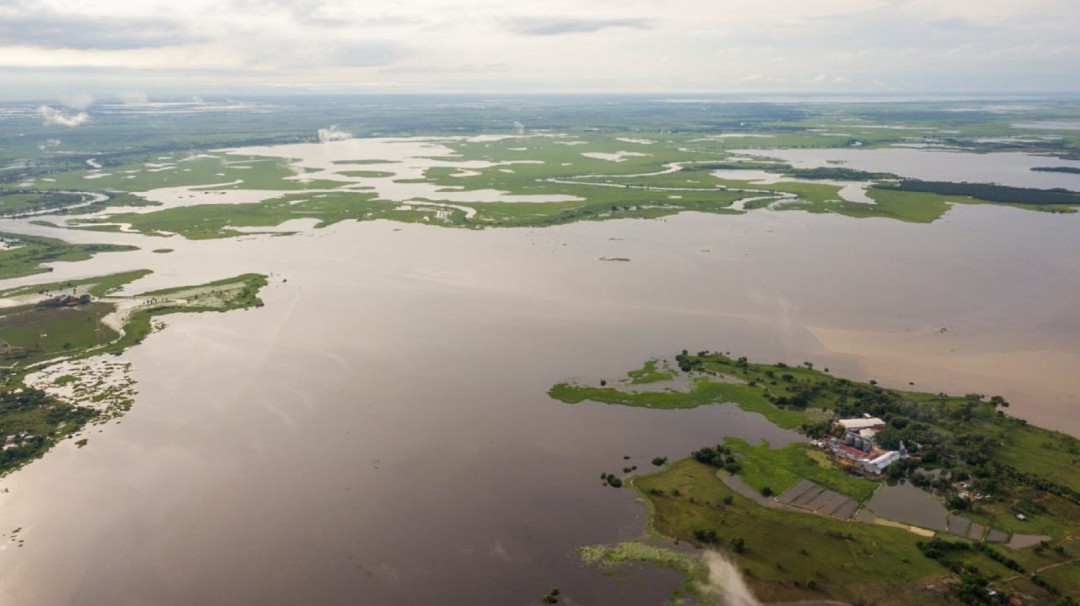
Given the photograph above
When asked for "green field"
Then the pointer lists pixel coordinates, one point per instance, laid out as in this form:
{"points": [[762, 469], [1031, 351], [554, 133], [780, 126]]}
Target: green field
{"points": [[30, 334], [778, 469], [789, 556]]}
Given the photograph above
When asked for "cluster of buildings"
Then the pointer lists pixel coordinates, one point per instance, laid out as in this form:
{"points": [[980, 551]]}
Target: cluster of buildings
{"points": [[16, 440], [858, 448]]}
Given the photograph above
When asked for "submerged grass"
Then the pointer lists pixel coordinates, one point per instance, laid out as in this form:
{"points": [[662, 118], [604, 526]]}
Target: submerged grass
{"points": [[654, 371], [704, 391]]}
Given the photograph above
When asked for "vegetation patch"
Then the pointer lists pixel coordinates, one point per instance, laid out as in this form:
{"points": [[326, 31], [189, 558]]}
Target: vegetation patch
{"points": [[611, 558], [784, 555], [990, 192], [778, 469], [654, 371], [32, 333], [22, 255]]}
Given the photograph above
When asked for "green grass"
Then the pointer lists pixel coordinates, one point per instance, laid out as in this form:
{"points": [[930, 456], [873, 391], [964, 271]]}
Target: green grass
{"points": [[703, 391], [178, 170], [761, 466], [30, 252], [785, 550], [654, 371], [46, 420], [1059, 519], [31, 334], [208, 221], [35, 334], [609, 558], [240, 292], [1042, 452], [1065, 578], [14, 203], [224, 220], [912, 207], [639, 187], [99, 286]]}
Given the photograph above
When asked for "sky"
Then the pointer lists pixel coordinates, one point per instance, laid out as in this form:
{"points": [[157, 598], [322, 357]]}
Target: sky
{"points": [[134, 49]]}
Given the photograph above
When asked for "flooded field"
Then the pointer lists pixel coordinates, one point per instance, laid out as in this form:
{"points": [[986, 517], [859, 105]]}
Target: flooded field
{"points": [[380, 431]]}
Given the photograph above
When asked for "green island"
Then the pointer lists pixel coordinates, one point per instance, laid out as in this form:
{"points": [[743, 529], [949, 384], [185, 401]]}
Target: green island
{"points": [[889, 497], [54, 376], [22, 255]]}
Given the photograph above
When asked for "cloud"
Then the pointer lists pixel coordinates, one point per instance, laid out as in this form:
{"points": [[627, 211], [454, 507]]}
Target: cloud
{"points": [[168, 48], [333, 134], [366, 54], [555, 26], [43, 28], [55, 117]]}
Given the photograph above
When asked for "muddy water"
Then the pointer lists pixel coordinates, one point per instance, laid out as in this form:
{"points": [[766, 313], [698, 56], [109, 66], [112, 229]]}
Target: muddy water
{"points": [[379, 432], [903, 502]]}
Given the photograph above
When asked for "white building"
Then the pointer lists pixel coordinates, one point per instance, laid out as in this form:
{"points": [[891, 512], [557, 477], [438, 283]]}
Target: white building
{"points": [[858, 425], [879, 464]]}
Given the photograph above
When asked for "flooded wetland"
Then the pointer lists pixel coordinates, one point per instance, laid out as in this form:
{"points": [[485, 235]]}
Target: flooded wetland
{"points": [[379, 430]]}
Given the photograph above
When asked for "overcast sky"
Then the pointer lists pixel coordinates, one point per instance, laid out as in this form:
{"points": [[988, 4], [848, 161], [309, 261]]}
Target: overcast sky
{"points": [[112, 47]]}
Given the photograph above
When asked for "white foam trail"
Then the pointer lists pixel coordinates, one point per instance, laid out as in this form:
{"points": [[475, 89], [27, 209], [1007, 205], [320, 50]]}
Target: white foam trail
{"points": [[726, 582]]}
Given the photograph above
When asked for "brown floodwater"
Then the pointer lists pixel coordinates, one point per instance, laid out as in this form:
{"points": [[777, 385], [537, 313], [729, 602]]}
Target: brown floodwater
{"points": [[379, 432]]}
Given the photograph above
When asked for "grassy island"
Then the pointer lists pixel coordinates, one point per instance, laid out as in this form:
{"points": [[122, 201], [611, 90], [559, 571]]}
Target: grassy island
{"points": [[22, 255], [825, 519]]}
